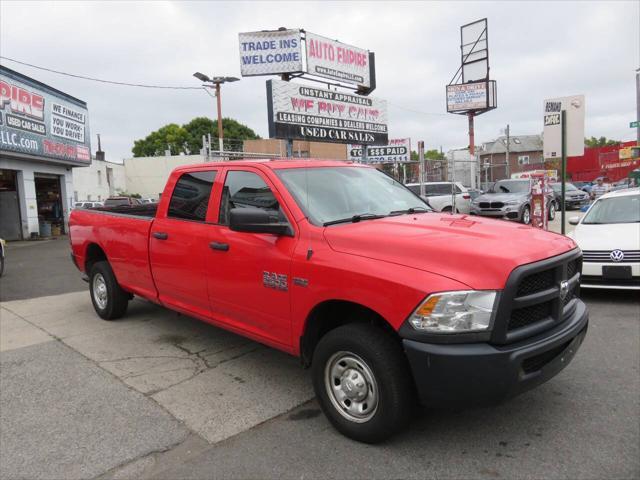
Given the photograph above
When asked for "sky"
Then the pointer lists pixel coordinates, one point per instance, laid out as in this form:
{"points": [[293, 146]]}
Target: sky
{"points": [[537, 50]]}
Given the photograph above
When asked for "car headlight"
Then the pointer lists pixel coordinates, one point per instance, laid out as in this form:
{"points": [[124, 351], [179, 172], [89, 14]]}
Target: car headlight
{"points": [[455, 312]]}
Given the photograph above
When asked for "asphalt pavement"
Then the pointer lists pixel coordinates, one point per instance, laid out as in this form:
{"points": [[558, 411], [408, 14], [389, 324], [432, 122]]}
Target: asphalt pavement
{"points": [[160, 395]]}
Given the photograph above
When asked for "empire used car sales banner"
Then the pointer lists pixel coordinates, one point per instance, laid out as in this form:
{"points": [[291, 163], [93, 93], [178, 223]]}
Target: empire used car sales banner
{"points": [[397, 151], [38, 121], [300, 112]]}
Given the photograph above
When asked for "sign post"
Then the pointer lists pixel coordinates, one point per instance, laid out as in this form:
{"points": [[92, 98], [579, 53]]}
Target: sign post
{"points": [[421, 166], [563, 173]]}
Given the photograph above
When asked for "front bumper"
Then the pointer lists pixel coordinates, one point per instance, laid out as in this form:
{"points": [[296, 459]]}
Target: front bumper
{"points": [[510, 212], [592, 276], [479, 373]]}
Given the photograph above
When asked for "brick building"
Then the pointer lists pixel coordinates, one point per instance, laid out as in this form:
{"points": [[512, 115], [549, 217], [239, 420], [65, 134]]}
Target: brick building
{"points": [[525, 153]]}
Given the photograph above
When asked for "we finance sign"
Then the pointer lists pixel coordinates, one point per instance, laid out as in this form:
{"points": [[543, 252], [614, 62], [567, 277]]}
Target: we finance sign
{"points": [[269, 53]]}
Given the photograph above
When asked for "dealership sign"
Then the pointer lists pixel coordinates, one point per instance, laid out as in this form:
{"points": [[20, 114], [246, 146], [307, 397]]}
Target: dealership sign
{"points": [[305, 113], [270, 52], [397, 151], [471, 96], [38, 121], [573, 107], [337, 61]]}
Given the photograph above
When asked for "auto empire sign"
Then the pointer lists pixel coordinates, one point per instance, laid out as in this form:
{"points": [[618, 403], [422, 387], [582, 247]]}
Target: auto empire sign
{"points": [[397, 151], [300, 112], [337, 61], [39, 122]]}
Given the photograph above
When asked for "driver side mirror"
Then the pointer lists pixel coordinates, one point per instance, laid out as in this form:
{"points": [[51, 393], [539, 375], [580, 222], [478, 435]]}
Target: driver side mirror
{"points": [[574, 220], [256, 220]]}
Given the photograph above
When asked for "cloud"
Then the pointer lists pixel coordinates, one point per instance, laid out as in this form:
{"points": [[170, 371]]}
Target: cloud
{"points": [[538, 50]]}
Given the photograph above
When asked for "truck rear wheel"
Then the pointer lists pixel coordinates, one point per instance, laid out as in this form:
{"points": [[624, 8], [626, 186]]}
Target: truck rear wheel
{"points": [[363, 383], [109, 300]]}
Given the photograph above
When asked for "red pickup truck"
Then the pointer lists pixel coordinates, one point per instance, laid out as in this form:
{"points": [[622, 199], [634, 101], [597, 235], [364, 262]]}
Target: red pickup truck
{"points": [[386, 301]]}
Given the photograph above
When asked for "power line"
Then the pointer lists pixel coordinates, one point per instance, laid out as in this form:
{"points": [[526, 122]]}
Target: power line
{"points": [[416, 111], [84, 77]]}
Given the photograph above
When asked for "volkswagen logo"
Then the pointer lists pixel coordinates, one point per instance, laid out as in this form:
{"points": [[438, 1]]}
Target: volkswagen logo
{"points": [[564, 289], [617, 255]]}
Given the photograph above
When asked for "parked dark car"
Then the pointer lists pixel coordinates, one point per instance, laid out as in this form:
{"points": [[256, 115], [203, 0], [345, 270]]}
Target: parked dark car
{"points": [[574, 197]]}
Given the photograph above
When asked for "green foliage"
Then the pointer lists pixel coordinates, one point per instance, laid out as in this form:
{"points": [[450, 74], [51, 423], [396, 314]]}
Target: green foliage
{"points": [[429, 155], [600, 142], [187, 139], [124, 193]]}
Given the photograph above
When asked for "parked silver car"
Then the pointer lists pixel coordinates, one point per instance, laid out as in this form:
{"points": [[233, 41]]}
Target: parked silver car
{"points": [[511, 200], [439, 196]]}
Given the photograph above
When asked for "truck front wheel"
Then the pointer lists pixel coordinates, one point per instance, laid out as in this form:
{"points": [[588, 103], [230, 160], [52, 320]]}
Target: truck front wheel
{"points": [[363, 383], [109, 300]]}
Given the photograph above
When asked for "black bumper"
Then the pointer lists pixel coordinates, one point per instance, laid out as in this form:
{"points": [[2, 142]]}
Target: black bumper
{"points": [[479, 373]]}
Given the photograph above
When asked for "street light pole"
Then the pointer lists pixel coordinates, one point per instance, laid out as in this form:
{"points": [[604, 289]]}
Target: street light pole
{"points": [[215, 82]]}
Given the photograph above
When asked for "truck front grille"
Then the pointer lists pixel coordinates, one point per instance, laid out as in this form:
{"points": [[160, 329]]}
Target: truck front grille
{"points": [[535, 363], [538, 296]]}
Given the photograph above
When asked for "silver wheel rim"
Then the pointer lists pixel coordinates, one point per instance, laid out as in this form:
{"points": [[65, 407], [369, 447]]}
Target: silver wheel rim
{"points": [[99, 290], [525, 216], [351, 387], [552, 211]]}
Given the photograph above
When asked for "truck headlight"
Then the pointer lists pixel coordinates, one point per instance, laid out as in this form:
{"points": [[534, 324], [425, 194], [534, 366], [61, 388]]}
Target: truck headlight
{"points": [[455, 312]]}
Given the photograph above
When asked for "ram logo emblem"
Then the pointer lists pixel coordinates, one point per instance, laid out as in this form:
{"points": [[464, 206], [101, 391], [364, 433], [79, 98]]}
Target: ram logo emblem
{"points": [[274, 280]]}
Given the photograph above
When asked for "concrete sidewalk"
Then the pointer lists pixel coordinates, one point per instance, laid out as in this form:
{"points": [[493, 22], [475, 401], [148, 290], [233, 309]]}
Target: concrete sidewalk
{"points": [[215, 383]]}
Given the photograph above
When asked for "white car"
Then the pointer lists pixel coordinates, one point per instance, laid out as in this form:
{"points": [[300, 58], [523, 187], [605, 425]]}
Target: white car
{"points": [[87, 204], [438, 196], [609, 236]]}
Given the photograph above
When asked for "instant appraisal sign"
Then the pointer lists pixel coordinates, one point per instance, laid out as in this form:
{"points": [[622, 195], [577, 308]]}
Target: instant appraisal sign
{"points": [[398, 150], [300, 112], [337, 61], [39, 121]]}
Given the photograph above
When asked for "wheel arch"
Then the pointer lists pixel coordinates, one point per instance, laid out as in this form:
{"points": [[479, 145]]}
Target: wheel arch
{"points": [[93, 253], [330, 314]]}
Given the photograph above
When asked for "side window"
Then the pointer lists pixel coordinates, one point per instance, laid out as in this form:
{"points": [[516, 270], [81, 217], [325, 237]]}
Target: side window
{"points": [[246, 189], [190, 196]]}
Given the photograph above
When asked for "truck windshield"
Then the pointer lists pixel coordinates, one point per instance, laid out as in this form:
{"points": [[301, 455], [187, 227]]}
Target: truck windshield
{"points": [[625, 209], [334, 194]]}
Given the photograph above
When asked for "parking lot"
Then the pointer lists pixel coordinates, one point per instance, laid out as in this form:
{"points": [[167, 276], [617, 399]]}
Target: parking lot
{"points": [[160, 395]]}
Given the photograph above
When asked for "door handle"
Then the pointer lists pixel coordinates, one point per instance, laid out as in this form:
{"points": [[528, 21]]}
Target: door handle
{"points": [[160, 235], [219, 246]]}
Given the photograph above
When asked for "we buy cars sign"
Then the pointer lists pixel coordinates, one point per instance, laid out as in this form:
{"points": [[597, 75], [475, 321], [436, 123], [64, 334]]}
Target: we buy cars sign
{"points": [[301, 112]]}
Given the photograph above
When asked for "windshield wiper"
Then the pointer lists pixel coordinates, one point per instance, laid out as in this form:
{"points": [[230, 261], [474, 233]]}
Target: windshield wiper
{"points": [[410, 210], [354, 219]]}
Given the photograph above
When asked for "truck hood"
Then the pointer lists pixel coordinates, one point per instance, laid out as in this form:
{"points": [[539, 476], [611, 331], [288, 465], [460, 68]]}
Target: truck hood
{"points": [[501, 197], [479, 252]]}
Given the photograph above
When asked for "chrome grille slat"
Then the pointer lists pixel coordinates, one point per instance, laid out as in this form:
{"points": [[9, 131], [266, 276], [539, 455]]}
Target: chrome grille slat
{"points": [[603, 256]]}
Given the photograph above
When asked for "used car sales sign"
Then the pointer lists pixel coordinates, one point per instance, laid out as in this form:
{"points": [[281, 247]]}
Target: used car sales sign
{"points": [[300, 112]]}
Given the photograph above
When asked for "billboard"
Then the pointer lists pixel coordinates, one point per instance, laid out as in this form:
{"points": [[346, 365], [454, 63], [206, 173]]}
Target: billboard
{"points": [[471, 96], [300, 112], [398, 150], [574, 123], [270, 52], [39, 121], [337, 61]]}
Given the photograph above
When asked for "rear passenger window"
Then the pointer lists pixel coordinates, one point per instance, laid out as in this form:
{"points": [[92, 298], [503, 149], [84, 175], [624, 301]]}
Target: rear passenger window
{"points": [[246, 189], [190, 196]]}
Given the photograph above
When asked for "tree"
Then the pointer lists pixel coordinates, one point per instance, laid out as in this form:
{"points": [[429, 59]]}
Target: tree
{"points": [[187, 139], [234, 133], [429, 155], [170, 137], [600, 142]]}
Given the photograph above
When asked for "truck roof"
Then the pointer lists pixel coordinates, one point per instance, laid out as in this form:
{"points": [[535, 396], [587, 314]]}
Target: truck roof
{"points": [[280, 163]]}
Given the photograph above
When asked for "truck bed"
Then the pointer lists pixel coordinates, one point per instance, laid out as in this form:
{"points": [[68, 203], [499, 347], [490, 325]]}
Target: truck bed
{"points": [[147, 210]]}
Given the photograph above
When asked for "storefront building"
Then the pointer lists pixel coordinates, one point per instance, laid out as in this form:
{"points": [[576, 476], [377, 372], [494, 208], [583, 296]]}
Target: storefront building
{"points": [[43, 134]]}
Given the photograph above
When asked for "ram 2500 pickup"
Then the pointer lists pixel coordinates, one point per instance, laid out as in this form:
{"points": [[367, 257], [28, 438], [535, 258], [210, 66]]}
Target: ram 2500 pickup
{"points": [[386, 301]]}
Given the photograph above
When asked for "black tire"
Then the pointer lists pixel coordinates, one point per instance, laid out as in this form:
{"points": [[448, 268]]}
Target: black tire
{"points": [[552, 211], [113, 304], [446, 210], [383, 356], [1, 265], [526, 215]]}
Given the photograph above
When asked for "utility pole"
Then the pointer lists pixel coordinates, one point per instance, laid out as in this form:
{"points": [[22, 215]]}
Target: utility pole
{"points": [[421, 166], [507, 154]]}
